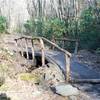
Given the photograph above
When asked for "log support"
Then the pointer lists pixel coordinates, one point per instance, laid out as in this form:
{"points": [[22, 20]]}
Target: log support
{"points": [[90, 81]]}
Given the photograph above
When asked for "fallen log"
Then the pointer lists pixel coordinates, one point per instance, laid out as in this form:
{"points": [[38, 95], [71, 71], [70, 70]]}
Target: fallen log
{"points": [[91, 81]]}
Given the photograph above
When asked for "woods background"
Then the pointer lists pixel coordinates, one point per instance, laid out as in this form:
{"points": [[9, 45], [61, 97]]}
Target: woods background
{"points": [[78, 19]]}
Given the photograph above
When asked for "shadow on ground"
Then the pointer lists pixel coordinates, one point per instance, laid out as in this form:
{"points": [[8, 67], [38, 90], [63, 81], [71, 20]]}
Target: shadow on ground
{"points": [[3, 96]]}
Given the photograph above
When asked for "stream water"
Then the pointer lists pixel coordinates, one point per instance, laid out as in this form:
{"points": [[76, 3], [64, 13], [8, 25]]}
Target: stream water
{"points": [[79, 71]]}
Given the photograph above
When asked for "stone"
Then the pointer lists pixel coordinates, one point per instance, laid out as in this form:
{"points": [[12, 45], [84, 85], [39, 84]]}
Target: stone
{"points": [[54, 74], [37, 93], [73, 98], [66, 90]]}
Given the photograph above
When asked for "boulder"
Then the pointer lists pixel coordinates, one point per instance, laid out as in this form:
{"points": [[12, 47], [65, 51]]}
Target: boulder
{"points": [[66, 90], [54, 74]]}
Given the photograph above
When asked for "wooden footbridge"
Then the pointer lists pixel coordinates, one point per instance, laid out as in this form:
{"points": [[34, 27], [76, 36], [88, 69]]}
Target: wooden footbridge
{"points": [[28, 44], [43, 46]]}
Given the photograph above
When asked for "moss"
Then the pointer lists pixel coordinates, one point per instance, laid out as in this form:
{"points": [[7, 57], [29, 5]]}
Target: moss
{"points": [[3, 73], [2, 80], [4, 87], [6, 60], [30, 77], [3, 68], [98, 50]]}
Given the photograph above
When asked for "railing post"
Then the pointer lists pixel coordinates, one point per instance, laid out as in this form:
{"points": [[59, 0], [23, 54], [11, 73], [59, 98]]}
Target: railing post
{"points": [[63, 44], [53, 40], [67, 68], [22, 48], [42, 50], [16, 43], [33, 54], [76, 48], [26, 44]]}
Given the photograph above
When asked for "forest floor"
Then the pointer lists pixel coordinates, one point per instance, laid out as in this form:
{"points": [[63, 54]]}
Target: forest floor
{"points": [[16, 83]]}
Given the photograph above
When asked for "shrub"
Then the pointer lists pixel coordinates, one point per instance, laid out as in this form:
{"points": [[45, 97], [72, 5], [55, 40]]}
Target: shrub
{"points": [[3, 24]]}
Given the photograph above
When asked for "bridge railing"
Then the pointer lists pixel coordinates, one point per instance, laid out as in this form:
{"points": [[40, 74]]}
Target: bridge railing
{"points": [[24, 40], [64, 40]]}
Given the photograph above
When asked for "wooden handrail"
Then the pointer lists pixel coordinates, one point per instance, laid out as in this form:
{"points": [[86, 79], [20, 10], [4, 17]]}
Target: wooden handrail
{"points": [[66, 39], [59, 48], [69, 40]]}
